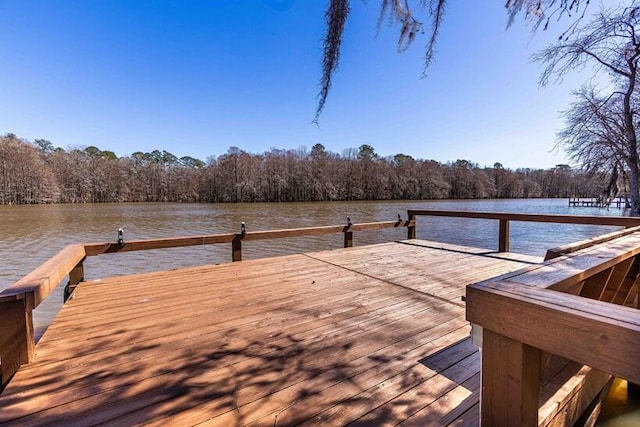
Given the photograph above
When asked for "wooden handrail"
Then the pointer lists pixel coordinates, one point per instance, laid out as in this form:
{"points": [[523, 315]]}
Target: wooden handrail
{"points": [[17, 345], [563, 273], [576, 246], [587, 331], [37, 285], [332, 229], [17, 302], [93, 249], [506, 217], [621, 221], [561, 307]]}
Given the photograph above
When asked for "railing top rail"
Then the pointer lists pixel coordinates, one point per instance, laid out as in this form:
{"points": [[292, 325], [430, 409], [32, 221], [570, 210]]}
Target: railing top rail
{"points": [[553, 218], [330, 229], [37, 285], [588, 331], [562, 272], [17, 344], [583, 244], [93, 249], [532, 306]]}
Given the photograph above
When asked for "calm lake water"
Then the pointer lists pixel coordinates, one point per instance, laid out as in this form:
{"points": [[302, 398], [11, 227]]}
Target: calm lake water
{"points": [[32, 234]]}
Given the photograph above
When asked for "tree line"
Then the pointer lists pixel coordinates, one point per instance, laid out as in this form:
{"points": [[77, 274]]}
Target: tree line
{"points": [[601, 131], [38, 172]]}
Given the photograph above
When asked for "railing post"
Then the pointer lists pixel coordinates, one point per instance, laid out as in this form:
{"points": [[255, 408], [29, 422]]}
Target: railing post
{"points": [[17, 345], [411, 229], [633, 390], [348, 239], [236, 243], [510, 382], [76, 275], [236, 248], [503, 239], [348, 234]]}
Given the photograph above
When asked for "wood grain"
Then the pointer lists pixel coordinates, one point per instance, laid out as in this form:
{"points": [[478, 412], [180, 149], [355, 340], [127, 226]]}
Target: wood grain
{"points": [[587, 331], [332, 334]]}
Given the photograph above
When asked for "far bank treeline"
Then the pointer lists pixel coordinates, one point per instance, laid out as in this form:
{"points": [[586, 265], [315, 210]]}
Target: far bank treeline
{"points": [[40, 173]]}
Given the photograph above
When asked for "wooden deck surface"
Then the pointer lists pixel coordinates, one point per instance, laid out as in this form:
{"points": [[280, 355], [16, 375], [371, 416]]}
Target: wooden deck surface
{"points": [[369, 335]]}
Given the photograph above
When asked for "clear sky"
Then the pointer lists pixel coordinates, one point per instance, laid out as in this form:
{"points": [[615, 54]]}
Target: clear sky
{"points": [[197, 77]]}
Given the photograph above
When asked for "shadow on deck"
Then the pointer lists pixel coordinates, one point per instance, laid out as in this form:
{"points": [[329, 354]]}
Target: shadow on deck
{"points": [[369, 335]]}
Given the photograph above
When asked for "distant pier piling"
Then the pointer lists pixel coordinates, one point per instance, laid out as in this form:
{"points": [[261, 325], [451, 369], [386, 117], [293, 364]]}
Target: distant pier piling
{"points": [[597, 202]]}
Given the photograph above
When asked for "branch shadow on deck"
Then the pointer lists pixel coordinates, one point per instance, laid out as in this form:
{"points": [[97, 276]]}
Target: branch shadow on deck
{"points": [[279, 379], [325, 343], [488, 253]]}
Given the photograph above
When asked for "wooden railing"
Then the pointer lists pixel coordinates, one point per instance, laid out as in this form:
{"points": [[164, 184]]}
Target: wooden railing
{"points": [[505, 219], [560, 308], [17, 302], [513, 313], [236, 238]]}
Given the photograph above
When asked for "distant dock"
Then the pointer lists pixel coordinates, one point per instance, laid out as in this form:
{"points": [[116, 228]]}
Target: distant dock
{"points": [[596, 202]]}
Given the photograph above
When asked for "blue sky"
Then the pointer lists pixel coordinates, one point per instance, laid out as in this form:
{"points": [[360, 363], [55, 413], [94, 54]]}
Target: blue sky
{"points": [[197, 77]]}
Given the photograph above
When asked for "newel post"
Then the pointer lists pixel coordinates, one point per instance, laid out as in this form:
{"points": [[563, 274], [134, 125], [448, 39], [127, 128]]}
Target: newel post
{"points": [[17, 344], [503, 240], [236, 243], [236, 248], [348, 234], [510, 381]]}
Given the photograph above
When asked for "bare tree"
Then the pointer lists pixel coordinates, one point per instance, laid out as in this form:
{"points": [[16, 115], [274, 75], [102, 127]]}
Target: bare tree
{"points": [[594, 133], [24, 176], [91, 175], [600, 129]]}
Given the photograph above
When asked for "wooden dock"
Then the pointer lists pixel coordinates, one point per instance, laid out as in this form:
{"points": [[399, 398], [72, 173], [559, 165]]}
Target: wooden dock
{"points": [[373, 334], [597, 202]]}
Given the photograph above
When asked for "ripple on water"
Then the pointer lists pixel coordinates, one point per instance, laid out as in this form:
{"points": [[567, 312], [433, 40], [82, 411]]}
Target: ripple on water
{"points": [[33, 234]]}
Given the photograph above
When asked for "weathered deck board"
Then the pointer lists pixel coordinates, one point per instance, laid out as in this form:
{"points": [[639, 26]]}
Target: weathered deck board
{"points": [[374, 334]]}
